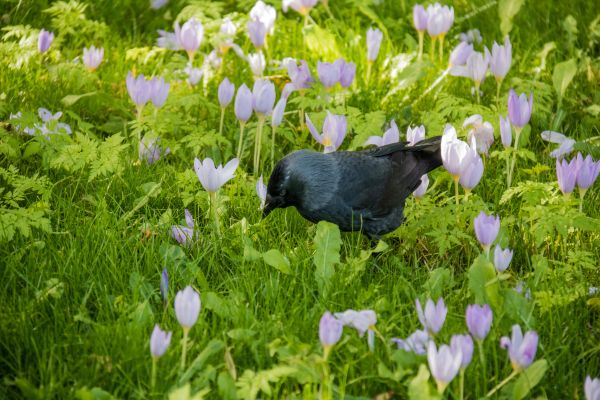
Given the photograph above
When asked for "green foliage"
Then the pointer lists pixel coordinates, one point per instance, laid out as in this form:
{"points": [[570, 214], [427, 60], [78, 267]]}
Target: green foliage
{"points": [[507, 10], [327, 244], [529, 379], [562, 76]]}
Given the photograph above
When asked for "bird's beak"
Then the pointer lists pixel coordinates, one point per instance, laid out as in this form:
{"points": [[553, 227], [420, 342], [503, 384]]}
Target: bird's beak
{"points": [[269, 206]]}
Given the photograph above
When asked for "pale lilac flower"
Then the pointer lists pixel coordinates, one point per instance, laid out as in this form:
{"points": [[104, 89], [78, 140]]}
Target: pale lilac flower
{"points": [[301, 6], [261, 192], [477, 65], [45, 39], [187, 307], [211, 177], [159, 90], [329, 73], [225, 92], [482, 132], [263, 97], [422, 188], [460, 54], [374, 37], [257, 63], [299, 74], [277, 115], [416, 342], [592, 290], [521, 288], [519, 108], [501, 59], [443, 364], [47, 116], [419, 18], [362, 321], [149, 150], [415, 135], [439, 19], [566, 174], [434, 315], [521, 349], [257, 33], [462, 344], [157, 4], [265, 14], [167, 40], [592, 388], [565, 143], [194, 74], [347, 72], [139, 89], [454, 152], [471, 168], [587, 171], [479, 320], [189, 36], [502, 258], [486, 229], [505, 131], [392, 135], [215, 60], [471, 36], [92, 57], [330, 330], [184, 234], [164, 282], [227, 31], [334, 131], [159, 341], [243, 104]]}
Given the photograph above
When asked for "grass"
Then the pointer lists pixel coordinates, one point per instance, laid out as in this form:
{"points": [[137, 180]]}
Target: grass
{"points": [[80, 299]]}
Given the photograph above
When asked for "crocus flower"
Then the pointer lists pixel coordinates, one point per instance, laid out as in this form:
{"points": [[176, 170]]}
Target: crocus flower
{"points": [[479, 320], [443, 364], [565, 143], [434, 315], [257, 33], [215, 60], [329, 73], [277, 115], [519, 108], [225, 92], [243, 104], [566, 174], [45, 39], [363, 321], [392, 135], [139, 89], [261, 192], [334, 131], [157, 4], [419, 18], [502, 258], [330, 330], [167, 40], [265, 14], [439, 19], [149, 150], [521, 288], [486, 229], [189, 36], [416, 342], [164, 284], [301, 6], [471, 36], [187, 307], [374, 37], [184, 234], [422, 188], [159, 90], [477, 65], [299, 74], [347, 72], [257, 63], [227, 33], [159, 341], [47, 116], [194, 74], [263, 97], [505, 131], [482, 132], [501, 59], [211, 177], [592, 388], [454, 152], [415, 135], [521, 349], [587, 171], [92, 57], [459, 55], [462, 344], [471, 169]]}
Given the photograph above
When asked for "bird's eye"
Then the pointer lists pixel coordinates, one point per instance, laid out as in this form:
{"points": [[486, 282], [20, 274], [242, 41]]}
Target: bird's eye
{"points": [[283, 192]]}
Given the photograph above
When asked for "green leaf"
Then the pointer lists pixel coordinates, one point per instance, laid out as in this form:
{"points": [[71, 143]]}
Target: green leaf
{"points": [[529, 378], [418, 388], [507, 9], [213, 347], [562, 76], [483, 283], [93, 394], [321, 42], [439, 279], [327, 253], [71, 99], [275, 259]]}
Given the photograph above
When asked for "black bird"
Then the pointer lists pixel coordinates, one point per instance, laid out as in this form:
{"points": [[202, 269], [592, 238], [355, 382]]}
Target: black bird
{"points": [[357, 190]]}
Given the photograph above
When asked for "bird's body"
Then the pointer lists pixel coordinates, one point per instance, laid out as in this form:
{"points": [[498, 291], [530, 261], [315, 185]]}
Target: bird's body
{"points": [[358, 191]]}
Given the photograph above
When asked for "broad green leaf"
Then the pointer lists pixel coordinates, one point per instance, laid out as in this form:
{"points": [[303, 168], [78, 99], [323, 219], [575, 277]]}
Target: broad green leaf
{"points": [[327, 253], [275, 259], [71, 99], [507, 9], [562, 76], [483, 283], [529, 378], [321, 42], [419, 388], [213, 347], [93, 394], [185, 393]]}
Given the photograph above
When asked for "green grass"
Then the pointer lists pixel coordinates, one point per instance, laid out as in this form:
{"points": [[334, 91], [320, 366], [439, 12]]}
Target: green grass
{"points": [[79, 300]]}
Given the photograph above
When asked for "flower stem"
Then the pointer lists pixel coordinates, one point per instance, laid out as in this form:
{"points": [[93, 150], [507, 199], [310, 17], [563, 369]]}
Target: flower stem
{"points": [[477, 84], [257, 143], [221, 122], [581, 195], [432, 48], [369, 66], [498, 84], [273, 147], [213, 208], [462, 383], [442, 47], [514, 159], [241, 142], [153, 378], [326, 392], [482, 360], [184, 348], [421, 39], [504, 382], [456, 190]]}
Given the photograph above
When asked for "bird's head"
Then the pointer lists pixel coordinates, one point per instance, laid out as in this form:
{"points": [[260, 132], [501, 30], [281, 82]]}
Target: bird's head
{"points": [[283, 188]]}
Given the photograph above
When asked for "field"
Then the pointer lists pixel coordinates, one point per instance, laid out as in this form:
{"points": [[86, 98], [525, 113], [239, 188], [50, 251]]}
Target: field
{"points": [[104, 220]]}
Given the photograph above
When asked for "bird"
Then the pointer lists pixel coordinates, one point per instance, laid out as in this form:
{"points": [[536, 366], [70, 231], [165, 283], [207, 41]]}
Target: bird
{"points": [[357, 190]]}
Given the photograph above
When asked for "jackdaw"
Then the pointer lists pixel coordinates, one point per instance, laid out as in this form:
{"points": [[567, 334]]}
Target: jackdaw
{"points": [[356, 190]]}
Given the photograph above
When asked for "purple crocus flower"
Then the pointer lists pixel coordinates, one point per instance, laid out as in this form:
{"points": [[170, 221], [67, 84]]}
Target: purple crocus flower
{"points": [[439, 19], [301, 6], [277, 115], [164, 285], [149, 150], [479, 320], [416, 342], [159, 341], [159, 90], [477, 65], [454, 152], [486, 229], [243, 104], [501, 59], [257, 63], [47, 116], [189, 36], [434, 315], [519, 108], [521, 349], [566, 174], [587, 171], [464, 345], [482, 132], [334, 131], [187, 307], [92, 57], [261, 192], [392, 135], [257, 33], [45, 39], [415, 135], [225, 92], [363, 321], [374, 37], [471, 36], [167, 40], [265, 14], [263, 97], [347, 72], [194, 74], [505, 132], [330, 330], [592, 388], [299, 74], [471, 169], [139, 89], [329, 73], [422, 188], [565, 143], [184, 234], [419, 18], [460, 54], [443, 364], [502, 258], [213, 178]]}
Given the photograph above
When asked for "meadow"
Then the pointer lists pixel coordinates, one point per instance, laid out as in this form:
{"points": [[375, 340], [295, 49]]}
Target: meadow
{"points": [[131, 268]]}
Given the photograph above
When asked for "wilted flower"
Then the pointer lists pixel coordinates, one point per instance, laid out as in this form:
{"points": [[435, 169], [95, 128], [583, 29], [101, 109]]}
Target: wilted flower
{"points": [[329, 73], [374, 37], [211, 177], [243, 104], [299, 74], [439, 19], [565, 143], [225, 92], [139, 89], [334, 131], [501, 59], [159, 90], [415, 135], [187, 307], [257, 33], [227, 33], [189, 36], [347, 72], [505, 131], [45, 39], [419, 18], [363, 321], [471, 36], [422, 188], [215, 60], [301, 6], [257, 63], [184, 234], [459, 55], [149, 150], [92, 57], [483, 132], [454, 152], [167, 40], [443, 364], [47, 116], [479, 320], [261, 192], [519, 108], [263, 97], [592, 388], [416, 342], [462, 344], [164, 284], [159, 341], [521, 288], [265, 14], [587, 171], [392, 135], [434, 315], [566, 174], [330, 330], [502, 258], [521, 349]]}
